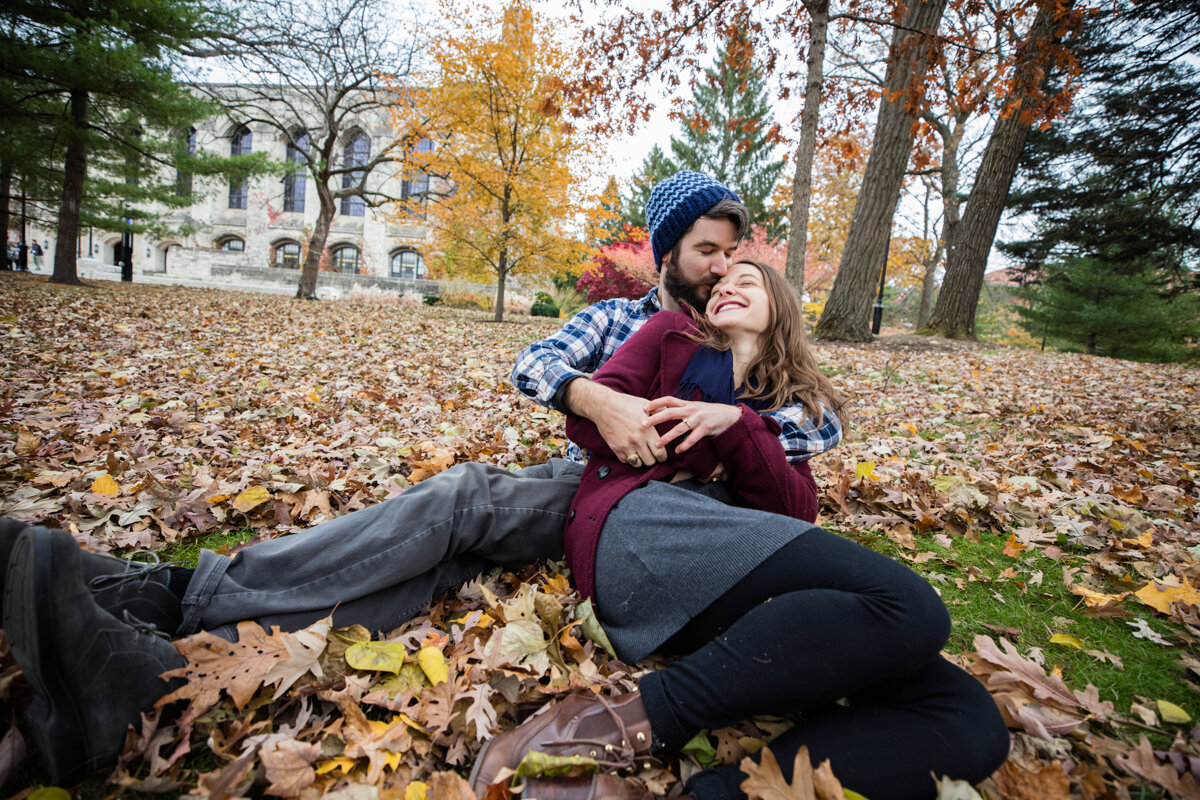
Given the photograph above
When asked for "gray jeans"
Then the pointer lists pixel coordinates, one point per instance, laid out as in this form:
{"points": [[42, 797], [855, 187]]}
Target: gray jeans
{"points": [[382, 565]]}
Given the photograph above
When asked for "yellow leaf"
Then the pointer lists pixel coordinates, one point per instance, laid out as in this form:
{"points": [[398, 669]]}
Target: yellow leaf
{"points": [[376, 656], [864, 469], [216, 498], [1160, 597], [391, 760], [251, 498], [1012, 547], [433, 664], [1145, 540], [337, 762], [106, 485], [312, 395], [1172, 713], [50, 793], [1095, 599], [1068, 641], [416, 790]]}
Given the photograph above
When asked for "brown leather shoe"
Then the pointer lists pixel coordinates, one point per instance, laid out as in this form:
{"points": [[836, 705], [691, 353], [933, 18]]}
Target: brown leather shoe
{"points": [[595, 787], [615, 732]]}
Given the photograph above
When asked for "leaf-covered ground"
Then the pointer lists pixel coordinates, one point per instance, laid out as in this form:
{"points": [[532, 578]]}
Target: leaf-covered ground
{"points": [[1052, 500]]}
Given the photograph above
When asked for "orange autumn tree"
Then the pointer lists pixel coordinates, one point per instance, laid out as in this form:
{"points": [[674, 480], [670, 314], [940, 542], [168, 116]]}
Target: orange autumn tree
{"points": [[500, 167]]}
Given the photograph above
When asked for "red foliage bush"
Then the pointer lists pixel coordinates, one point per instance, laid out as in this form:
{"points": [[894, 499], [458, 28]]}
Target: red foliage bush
{"points": [[603, 280]]}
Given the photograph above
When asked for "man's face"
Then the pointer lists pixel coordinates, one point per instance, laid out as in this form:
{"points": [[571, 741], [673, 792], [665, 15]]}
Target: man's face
{"points": [[705, 254]]}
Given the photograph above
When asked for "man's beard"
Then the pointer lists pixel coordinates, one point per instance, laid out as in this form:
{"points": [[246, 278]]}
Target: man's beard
{"points": [[694, 294]]}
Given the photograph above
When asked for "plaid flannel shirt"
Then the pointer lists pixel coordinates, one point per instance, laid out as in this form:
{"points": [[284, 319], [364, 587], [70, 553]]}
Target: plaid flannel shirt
{"points": [[545, 367]]}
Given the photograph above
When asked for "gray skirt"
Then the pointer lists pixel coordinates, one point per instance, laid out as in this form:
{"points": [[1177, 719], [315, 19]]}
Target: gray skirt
{"points": [[668, 550]]}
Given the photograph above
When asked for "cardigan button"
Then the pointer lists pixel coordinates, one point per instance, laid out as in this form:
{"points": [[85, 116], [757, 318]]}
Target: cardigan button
{"points": [[603, 471]]}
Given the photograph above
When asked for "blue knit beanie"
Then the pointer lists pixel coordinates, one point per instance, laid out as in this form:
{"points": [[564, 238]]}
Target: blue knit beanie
{"points": [[678, 202]]}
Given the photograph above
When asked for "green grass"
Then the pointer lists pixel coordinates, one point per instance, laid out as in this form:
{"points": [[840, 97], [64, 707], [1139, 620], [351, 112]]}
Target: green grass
{"points": [[187, 552], [1151, 671]]}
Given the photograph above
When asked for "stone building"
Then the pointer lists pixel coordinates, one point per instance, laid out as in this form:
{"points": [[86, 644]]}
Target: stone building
{"points": [[255, 232]]}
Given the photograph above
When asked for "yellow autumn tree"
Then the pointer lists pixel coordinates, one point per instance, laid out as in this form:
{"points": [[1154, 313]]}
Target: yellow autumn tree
{"points": [[501, 170]]}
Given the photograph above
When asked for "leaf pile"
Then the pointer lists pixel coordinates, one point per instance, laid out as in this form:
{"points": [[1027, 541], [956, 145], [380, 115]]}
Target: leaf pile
{"points": [[140, 418]]}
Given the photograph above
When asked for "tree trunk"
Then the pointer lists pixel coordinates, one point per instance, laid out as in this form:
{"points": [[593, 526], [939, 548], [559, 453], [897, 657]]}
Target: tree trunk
{"points": [[307, 289], [5, 191], [932, 261], [967, 255], [802, 183], [74, 173], [847, 314], [501, 277]]}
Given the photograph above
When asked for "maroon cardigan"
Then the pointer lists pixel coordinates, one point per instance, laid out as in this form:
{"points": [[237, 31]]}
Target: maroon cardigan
{"points": [[650, 364]]}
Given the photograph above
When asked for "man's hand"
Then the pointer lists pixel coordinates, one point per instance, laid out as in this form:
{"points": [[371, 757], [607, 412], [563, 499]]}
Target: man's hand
{"points": [[697, 419], [619, 419]]}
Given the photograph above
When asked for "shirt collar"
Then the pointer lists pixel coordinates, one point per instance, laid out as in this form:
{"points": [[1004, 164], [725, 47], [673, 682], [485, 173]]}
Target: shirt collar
{"points": [[650, 304]]}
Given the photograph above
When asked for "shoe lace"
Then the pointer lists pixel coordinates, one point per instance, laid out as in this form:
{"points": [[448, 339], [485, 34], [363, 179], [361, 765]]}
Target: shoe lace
{"points": [[137, 573], [609, 755], [143, 627]]}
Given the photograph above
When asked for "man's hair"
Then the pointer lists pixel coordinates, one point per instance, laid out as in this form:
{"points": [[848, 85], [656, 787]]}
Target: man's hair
{"points": [[729, 209]]}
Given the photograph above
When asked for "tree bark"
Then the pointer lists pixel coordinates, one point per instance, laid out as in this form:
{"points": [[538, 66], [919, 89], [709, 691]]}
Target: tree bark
{"points": [[967, 253], [5, 191], [74, 174], [307, 289], [802, 182], [848, 311]]}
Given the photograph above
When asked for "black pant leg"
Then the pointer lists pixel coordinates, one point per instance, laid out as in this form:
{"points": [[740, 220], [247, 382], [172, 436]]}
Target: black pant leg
{"points": [[822, 619], [891, 741]]}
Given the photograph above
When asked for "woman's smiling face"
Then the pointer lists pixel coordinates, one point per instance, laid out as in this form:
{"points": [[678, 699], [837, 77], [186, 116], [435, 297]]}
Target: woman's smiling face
{"points": [[739, 301]]}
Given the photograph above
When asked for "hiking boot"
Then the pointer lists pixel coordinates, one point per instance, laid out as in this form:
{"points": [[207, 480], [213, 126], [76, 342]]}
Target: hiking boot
{"points": [[92, 675], [614, 732], [131, 591], [594, 787]]}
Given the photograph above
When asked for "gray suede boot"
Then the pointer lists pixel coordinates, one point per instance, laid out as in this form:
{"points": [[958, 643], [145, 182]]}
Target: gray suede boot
{"points": [[131, 591], [92, 675]]}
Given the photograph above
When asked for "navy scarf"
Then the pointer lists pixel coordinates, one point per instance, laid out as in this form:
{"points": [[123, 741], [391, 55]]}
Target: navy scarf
{"points": [[709, 377]]}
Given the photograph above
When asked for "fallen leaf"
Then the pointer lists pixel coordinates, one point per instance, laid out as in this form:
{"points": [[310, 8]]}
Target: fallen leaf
{"points": [[1066, 640], [1172, 713], [377, 656], [105, 485], [251, 498], [433, 664]]}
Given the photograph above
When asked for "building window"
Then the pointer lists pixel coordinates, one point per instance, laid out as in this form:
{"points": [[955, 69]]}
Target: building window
{"points": [[183, 180], [240, 145], [294, 182], [287, 255], [408, 264], [416, 183], [232, 244], [346, 259], [358, 150]]}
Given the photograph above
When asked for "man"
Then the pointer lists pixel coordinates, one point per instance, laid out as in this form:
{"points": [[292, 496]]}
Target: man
{"points": [[83, 627], [36, 250]]}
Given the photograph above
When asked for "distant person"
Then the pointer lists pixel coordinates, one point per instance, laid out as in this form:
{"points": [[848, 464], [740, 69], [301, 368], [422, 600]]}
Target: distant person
{"points": [[35, 250]]}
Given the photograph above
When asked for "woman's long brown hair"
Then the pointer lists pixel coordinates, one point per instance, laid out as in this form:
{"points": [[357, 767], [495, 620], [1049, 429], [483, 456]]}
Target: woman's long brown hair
{"points": [[785, 371]]}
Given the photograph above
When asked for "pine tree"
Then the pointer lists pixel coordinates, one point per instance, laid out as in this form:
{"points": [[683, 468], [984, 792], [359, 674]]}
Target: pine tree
{"points": [[1115, 309], [96, 79], [1114, 190], [728, 133]]}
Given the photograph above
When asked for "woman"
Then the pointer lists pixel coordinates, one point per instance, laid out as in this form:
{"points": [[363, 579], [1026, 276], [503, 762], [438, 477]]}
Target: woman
{"points": [[770, 613]]}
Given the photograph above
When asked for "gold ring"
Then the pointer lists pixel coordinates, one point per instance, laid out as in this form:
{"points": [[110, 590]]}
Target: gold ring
{"points": [[634, 460]]}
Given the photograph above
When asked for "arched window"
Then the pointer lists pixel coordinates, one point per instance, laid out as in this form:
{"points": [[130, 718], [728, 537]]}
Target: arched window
{"points": [[232, 244], [416, 183], [408, 264], [287, 255], [346, 259], [183, 180], [294, 182], [358, 150], [240, 144]]}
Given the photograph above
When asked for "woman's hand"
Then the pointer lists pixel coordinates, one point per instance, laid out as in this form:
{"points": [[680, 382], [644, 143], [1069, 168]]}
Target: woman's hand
{"points": [[697, 419]]}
